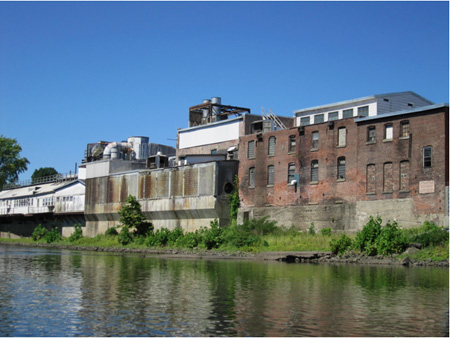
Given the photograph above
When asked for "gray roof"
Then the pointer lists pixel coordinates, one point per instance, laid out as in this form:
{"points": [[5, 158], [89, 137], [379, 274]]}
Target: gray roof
{"points": [[366, 98], [38, 189], [402, 112]]}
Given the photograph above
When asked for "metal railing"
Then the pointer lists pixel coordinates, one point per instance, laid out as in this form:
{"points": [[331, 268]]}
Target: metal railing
{"points": [[46, 179]]}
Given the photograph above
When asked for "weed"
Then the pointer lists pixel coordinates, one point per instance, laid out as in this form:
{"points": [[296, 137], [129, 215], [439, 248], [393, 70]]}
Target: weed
{"points": [[39, 233]]}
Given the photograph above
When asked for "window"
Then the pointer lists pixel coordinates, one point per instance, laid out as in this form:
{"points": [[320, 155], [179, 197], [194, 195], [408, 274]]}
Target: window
{"points": [[292, 144], [251, 149], [347, 113], [427, 156], [213, 151], [304, 121], [371, 135], [363, 111], [370, 179], [388, 132], [270, 174], [404, 176], [404, 129], [315, 140], [333, 116], [315, 171], [342, 137], [318, 118], [341, 168], [251, 177], [271, 150], [388, 177], [291, 172]]}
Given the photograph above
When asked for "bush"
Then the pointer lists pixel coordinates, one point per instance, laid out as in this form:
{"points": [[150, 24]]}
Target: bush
{"points": [[212, 237], [326, 232], [189, 240], [158, 238], [131, 216], [340, 245], [240, 236], [77, 234], [53, 236], [125, 237], [39, 233], [111, 232], [174, 235], [261, 226], [429, 234], [365, 239], [312, 230], [391, 240]]}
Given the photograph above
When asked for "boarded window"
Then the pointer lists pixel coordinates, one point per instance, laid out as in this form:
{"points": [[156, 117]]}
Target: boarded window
{"points": [[388, 177], [404, 176], [251, 177], [333, 116], [270, 174], [363, 111], [388, 132], [315, 140], [291, 172], [272, 141], [404, 129], [292, 144], [251, 149], [370, 179], [342, 137], [347, 113], [427, 156], [315, 171], [371, 133], [341, 168], [319, 118], [304, 121]]}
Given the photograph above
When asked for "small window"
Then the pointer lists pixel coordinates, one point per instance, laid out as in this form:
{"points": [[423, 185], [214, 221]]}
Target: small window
{"points": [[319, 118], [292, 144], [270, 174], [304, 121], [291, 172], [363, 111], [315, 171], [341, 168], [347, 113], [388, 132], [410, 104], [404, 129], [333, 116], [342, 137], [386, 100], [427, 157], [271, 150], [251, 149], [251, 177], [315, 140], [371, 134], [213, 151]]}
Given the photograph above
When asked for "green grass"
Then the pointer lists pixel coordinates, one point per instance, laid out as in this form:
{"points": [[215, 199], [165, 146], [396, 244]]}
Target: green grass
{"points": [[434, 253], [299, 241]]}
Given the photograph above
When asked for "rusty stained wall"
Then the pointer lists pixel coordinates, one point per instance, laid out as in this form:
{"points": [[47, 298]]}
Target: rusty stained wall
{"points": [[186, 197]]}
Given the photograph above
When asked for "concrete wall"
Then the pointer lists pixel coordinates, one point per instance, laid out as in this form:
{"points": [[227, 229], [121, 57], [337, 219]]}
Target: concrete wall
{"points": [[189, 197]]}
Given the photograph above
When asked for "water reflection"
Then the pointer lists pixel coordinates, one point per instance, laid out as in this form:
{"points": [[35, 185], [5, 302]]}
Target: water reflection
{"points": [[54, 293]]}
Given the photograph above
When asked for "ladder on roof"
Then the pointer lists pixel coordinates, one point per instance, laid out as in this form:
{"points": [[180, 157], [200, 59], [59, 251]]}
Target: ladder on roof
{"points": [[273, 117]]}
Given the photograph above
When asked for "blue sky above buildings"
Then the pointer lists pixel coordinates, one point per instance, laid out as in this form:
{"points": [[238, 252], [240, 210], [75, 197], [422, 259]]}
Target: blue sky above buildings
{"points": [[73, 73]]}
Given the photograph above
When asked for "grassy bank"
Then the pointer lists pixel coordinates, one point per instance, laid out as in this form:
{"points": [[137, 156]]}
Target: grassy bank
{"points": [[430, 242]]}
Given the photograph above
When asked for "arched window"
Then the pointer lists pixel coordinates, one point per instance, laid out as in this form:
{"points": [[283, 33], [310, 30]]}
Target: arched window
{"points": [[272, 141], [315, 171], [270, 174]]}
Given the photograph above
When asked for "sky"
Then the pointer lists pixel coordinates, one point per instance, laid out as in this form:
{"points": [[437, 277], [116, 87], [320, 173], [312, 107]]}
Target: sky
{"points": [[73, 73]]}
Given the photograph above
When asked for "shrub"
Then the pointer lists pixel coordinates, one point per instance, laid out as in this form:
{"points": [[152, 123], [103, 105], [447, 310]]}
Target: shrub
{"points": [[429, 234], [261, 226], [234, 200], [340, 245], [77, 234], [125, 237], [240, 236], [174, 235], [326, 232], [189, 240], [365, 239], [53, 236], [212, 237], [39, 233], [111, 232], [158, 238], [312, 230], [131, 216], [391, 240]]}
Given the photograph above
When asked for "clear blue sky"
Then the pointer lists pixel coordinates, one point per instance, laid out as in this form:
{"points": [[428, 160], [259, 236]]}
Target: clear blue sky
{"points": [[73, 73]]}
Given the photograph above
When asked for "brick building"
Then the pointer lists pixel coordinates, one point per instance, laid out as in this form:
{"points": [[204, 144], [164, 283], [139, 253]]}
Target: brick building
{"points": [[336, 170]]}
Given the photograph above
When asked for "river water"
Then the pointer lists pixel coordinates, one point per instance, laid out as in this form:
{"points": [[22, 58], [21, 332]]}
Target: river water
{"points": [[66, 293]]}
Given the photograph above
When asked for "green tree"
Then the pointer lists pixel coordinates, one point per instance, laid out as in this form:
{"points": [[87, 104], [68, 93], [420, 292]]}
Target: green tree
{"points": [[132, 218], [11, 164], [43, 172]]}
